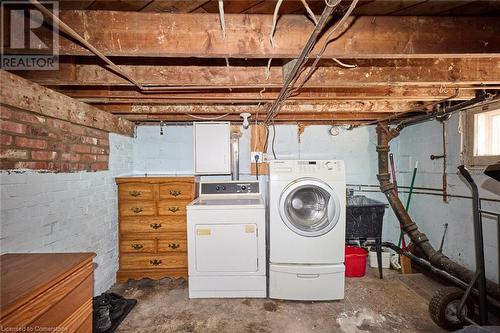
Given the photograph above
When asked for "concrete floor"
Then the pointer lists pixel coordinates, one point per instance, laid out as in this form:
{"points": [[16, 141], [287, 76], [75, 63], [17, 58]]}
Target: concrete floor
{"points": [[395, 304]]}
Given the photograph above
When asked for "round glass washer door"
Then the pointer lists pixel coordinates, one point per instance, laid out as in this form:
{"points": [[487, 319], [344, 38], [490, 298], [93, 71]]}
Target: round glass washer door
{"points": [[309, 207]]}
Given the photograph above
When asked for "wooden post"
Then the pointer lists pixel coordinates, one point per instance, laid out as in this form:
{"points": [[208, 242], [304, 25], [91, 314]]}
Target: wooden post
{"points": [[258, 135]]}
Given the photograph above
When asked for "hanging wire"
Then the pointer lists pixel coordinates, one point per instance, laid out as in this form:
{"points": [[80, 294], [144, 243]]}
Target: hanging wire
{"points": [[222, 19], [328, 39], [289, 89], [275, 20], [344, 64], [310, 12]]}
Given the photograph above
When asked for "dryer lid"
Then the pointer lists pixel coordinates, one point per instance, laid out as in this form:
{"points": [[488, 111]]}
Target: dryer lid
{"points": [[309, 207]]}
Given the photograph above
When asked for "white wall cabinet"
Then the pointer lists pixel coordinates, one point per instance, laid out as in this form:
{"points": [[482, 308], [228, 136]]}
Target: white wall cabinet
{"points": [[212, 148]]}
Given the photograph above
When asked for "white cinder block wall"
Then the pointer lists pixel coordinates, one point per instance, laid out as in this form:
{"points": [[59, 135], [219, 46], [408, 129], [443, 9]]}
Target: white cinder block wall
{"points": [[67, 212], [417, 143]]}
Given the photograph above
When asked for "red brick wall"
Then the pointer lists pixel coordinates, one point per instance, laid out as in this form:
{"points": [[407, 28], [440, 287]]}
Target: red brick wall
{"points": [[32, 141]]}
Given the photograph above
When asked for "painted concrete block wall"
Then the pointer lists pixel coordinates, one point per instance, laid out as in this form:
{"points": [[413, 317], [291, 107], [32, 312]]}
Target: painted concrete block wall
{"points": [[417, 143], [67, 212], [173, 153]]}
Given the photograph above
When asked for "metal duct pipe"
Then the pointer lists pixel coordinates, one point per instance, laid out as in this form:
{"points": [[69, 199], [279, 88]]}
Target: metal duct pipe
{"points": [[384, 135], [235, 157]]}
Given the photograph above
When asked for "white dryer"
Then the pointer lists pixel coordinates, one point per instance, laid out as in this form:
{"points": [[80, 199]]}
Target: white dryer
{"points": [[227, 241], [307, 229]]}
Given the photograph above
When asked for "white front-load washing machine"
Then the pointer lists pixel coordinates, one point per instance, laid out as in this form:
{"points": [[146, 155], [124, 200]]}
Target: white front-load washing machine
{"points": [[306, 229]]}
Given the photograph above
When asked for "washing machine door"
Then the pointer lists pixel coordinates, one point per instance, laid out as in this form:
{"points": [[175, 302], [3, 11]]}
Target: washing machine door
{"points": [[309, 207]]}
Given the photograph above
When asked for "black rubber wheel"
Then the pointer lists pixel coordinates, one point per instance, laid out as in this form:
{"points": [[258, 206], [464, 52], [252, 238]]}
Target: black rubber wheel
{"points": [[443, 306]]}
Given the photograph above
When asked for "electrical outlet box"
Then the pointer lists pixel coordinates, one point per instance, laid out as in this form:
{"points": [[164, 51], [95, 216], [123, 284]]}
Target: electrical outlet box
{"points": [[256, 153]]}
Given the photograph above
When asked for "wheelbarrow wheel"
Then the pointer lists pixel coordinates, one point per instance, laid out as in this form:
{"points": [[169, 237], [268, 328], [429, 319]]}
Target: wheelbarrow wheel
{"points": [[444, 305]]}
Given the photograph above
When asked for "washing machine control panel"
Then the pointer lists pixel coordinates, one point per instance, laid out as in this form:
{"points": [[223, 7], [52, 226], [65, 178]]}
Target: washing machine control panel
{"points": [[230, 188], [312, 166]]}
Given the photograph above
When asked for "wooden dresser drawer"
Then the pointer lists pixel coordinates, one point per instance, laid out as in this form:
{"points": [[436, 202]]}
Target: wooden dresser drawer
{"points": [[152, 224], [138, 246], [153, 261], [176, 190], [135, 192], [172, 207], [145, 208], [171, 246]]}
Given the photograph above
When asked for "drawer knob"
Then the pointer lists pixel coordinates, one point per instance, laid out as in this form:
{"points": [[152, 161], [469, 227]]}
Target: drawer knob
{"points": [[136, 210], [173, 246], [155, 262], [175, 193], [173, 209], [136, 246], [134, 193], [155, 225]]}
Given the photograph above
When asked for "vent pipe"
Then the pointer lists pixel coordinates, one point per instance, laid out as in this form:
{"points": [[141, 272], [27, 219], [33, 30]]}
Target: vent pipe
{"points": [[235, 155]]}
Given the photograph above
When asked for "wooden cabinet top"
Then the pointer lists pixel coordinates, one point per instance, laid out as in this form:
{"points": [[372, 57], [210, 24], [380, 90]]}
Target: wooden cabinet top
{"points": [[25, 276], [154, 179]]}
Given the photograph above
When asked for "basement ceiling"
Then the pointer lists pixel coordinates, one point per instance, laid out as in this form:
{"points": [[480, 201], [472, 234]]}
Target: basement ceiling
{"points": [[391, 58], [365, 7]]}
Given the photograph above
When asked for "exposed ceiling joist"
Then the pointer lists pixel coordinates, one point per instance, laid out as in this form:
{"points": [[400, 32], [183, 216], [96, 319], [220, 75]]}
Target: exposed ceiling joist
{"points": [[340, 117], [414, 72], [96, 95], [374, 106], [198, 35]]}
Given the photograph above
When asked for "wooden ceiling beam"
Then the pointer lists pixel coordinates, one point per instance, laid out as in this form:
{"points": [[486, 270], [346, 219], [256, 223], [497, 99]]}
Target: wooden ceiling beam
{"points": [[330, 107], [147, 34], [329, 118], [383, 72], [99, 96]]}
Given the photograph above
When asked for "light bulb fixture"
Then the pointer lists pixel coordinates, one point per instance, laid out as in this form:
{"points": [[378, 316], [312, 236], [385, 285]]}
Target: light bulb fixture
{"points": [[245, 116]]}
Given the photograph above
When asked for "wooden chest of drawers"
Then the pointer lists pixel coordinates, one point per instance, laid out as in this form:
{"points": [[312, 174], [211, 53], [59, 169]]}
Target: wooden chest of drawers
{"points": [[152, 213], [46, 292]]}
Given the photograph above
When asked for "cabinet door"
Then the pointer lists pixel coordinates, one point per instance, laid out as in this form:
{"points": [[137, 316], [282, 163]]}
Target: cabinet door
{"points": [[212, 148]]}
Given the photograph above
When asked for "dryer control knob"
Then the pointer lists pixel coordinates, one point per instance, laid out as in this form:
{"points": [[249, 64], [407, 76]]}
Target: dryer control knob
{"points": [[329, 165]]}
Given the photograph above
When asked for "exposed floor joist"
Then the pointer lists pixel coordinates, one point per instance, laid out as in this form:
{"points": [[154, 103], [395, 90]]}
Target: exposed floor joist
{"points": [[198, 35], [100, 95], [333, 106], [415, 72]]}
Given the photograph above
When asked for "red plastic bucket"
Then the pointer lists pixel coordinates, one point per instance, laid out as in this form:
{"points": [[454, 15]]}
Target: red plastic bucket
{"points": [[355, 261]]}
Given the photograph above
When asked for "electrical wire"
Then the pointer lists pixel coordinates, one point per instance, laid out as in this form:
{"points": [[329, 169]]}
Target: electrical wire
{"points": [[344, 64], [288, 87], [310, 12], [328, 39], [274, 137], [275, 20], [207, 118], [299, 63]]}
